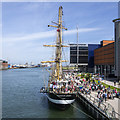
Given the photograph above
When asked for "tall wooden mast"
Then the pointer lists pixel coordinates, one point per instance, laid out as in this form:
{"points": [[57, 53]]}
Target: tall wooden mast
{"points": [[58, 59]]}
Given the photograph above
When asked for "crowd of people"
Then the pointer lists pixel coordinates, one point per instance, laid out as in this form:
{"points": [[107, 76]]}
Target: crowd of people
{"points": [[84, 83], [95, 84]]}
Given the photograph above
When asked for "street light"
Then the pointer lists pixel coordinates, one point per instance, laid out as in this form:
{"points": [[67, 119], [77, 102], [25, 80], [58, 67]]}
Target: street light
{"points": [[105, 74]]}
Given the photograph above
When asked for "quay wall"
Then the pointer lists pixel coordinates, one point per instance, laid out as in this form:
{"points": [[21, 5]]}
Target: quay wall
{"points": [[92, 107]]}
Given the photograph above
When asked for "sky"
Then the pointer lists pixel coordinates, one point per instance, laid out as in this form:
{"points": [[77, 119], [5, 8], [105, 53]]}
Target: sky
{"points": [[25, 27]]}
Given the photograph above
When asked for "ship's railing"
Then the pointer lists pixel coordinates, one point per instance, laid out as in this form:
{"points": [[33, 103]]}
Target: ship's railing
{"points": [[106, 108]]}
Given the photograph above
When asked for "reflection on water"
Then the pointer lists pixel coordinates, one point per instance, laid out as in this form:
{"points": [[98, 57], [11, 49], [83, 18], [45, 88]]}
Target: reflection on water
{"points": [[22, 99]]}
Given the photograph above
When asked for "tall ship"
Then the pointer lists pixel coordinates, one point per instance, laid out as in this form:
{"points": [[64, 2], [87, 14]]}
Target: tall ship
{"points": [[60, 89]]}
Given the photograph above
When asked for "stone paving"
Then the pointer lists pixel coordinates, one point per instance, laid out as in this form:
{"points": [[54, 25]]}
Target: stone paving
{"points": [[115, 103]]}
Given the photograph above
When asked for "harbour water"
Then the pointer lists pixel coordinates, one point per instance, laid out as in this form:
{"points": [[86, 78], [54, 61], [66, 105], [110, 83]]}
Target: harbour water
{"points": [[21, 96]]}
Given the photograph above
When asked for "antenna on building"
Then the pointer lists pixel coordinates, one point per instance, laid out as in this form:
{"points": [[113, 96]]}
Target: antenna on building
{"points": [[77, 47]]}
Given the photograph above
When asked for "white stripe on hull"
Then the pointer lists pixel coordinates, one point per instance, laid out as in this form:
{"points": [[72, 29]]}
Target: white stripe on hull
{"points": [[65, 102]]}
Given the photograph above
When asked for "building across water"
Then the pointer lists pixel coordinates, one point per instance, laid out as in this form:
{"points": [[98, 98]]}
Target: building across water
{"points": [[79, 56], [91, 48], [3, 65], [117, 46], [98, 58], [104, 58], [82, 55]]}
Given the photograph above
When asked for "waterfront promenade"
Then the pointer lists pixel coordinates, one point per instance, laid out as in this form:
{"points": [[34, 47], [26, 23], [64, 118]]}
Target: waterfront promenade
{"points": [[108, 105], [113, 102], [110, 108]]}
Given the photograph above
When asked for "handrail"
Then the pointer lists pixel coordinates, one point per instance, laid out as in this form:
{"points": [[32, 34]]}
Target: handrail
{"points": [[107, 109]]}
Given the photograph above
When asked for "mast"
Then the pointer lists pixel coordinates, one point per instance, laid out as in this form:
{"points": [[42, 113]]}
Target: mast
{"points": [[58, 59], [59, 48]]}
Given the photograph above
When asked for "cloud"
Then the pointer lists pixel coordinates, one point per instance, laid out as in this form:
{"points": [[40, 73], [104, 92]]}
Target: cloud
{"points": [[80, 30], [46, 34], [32, 36]]}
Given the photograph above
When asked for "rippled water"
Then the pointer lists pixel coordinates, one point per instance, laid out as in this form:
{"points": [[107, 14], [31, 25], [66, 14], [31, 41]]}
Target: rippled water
{"points": [[22, 99]]}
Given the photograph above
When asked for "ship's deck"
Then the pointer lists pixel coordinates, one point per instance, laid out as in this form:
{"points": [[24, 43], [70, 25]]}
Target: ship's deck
{"points": [[63, 92]]}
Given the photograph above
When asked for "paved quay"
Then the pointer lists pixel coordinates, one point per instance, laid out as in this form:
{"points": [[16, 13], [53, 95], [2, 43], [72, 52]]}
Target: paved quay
{"points": [[115, 103]]}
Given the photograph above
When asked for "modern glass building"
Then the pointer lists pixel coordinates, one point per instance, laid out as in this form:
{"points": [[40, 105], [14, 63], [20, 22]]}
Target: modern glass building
{"points": [[79, 56], [82, 55], [91, 48]]}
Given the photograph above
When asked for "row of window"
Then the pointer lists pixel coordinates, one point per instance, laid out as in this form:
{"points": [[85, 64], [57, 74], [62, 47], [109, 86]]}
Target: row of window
{"points": [[80, 48], [80, 52], [81, 59]]}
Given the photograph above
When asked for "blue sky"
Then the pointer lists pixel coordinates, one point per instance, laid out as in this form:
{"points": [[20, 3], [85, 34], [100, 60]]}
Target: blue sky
{"points": [[25, 31]]}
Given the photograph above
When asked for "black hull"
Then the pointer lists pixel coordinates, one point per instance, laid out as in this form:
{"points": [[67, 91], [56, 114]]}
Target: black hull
{"points": [[60, 100], [58, 106], [61, 96]]}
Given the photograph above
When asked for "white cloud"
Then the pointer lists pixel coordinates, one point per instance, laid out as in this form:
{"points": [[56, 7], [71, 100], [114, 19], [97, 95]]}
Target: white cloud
{"points": [[32, 36], [80, 30], [47, 34]]}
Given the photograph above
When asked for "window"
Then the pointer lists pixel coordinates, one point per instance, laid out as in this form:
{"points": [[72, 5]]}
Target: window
{"points": [[73, 48], [83, 52], [73, 59], [83, 59], [73, 52], [83, 48]]}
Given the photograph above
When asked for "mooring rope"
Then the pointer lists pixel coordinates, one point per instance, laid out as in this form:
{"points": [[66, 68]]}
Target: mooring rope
{"points": [[77, 108]]}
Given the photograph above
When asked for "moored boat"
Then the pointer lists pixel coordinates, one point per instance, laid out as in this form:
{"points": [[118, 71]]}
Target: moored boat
{"points": [[60, 89]]}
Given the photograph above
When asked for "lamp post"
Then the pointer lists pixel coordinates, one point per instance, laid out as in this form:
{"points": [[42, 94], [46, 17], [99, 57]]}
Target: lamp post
{"points": [[105, 75], [99, 70]]}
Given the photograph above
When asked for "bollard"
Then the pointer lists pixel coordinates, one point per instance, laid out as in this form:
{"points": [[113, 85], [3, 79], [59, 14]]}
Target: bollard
{"points": [[113, 113], [105, 109]]}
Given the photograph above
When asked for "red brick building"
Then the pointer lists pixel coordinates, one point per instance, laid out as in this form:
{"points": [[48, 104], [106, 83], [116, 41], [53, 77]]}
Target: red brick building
{"points": [[104, 58], [3, 65]]}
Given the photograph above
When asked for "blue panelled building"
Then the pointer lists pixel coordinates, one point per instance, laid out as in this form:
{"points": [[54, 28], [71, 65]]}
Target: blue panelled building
{"points": [[91, 48]]}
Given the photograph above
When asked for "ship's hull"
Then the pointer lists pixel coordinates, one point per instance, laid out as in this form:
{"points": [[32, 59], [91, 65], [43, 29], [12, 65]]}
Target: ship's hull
{"points": [[61, 100]]}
